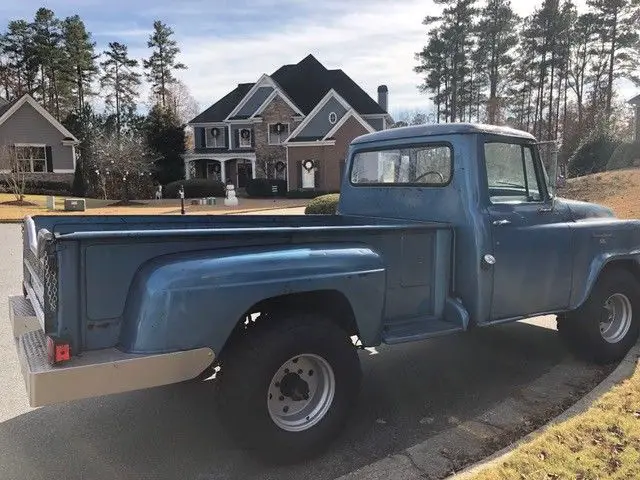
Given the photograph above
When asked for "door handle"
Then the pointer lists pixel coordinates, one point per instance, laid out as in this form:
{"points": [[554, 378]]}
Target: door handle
{"points": [[504, 221]]}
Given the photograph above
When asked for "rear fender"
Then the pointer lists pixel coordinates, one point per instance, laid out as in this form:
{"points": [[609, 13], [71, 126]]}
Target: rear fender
{"points": [[191, 300]]}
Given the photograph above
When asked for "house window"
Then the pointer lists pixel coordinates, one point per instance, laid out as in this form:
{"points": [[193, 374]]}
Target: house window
{"points": [[278, 133], [333, 118], [31, 158], [308, 174], [245, 138], [215, 137]]}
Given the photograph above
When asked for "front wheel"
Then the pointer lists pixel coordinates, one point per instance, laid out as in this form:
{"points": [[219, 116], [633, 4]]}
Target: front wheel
{"points": [[608, 324], [287, 385]]}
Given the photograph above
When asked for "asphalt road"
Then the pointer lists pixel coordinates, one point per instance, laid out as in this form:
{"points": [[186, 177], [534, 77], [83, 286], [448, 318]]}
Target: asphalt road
{"points": [[409, 393]]}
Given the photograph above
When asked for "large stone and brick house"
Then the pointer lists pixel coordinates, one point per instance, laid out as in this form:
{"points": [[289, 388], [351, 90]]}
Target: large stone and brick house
{"points": [[295, 124], [33, 137]]}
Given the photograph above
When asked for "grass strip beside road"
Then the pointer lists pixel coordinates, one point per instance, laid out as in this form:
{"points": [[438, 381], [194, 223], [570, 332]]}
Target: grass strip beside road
{"points": [[603, 442]]}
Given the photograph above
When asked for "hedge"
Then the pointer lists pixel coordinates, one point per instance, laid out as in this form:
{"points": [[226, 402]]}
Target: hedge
{"points": [[263, 187], [41, 187], [195, 188], [323, 205]]}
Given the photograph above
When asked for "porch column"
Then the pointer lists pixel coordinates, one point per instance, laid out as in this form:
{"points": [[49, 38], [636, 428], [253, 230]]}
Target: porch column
{"points": [[223, 171], [187, 169], [253, 168]]}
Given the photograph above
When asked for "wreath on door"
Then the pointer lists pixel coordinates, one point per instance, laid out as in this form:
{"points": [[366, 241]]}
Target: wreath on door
{"points": [[308, 165]]}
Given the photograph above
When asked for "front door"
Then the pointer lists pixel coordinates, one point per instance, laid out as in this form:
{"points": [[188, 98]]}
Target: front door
{"points": [[244, 173], [530, 234]]}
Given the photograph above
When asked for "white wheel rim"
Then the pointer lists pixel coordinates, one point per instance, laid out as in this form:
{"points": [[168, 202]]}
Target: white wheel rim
{"points": [[618, 315], [301, 392]]}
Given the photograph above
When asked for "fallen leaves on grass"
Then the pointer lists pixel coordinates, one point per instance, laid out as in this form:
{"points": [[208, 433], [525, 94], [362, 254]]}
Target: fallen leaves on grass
{"points": [[603, 442]]}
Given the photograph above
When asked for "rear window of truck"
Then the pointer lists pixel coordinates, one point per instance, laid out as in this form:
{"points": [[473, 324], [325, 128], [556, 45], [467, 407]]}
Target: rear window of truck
{"points": [[426, 165]]}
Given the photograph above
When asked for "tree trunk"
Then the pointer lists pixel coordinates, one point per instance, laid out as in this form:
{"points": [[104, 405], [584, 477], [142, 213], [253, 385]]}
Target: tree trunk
{"points": [[612, 58]]}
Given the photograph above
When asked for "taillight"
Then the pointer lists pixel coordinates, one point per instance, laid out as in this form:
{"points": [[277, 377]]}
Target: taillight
{"points": [[58, 350]]}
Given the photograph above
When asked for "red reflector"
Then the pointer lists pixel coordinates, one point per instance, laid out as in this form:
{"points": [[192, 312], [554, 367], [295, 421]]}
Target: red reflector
{"points": [[57, 350]]}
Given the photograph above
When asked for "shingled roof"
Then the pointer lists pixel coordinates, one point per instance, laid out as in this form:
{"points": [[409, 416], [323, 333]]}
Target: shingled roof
{"points": [[223, 107], [305, 83]]}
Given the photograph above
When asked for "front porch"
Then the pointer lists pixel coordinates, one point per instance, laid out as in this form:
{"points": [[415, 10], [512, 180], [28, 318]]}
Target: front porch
{"points": [[237, 168]]}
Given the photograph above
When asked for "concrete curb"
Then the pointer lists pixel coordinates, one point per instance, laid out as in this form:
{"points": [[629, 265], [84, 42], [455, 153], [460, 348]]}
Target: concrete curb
{"points": [[441, 455], [623, 371]]}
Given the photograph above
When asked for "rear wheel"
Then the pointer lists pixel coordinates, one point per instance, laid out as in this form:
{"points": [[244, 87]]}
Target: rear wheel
{"points": [[287, 385], [608, 324]]}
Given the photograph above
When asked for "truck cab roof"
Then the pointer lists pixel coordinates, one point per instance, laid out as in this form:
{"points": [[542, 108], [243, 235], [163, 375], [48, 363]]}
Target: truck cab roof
{"points": [[441, 129]]}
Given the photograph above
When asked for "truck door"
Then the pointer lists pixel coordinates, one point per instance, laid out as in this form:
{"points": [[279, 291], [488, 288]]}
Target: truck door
{"points": [[530, 234]]}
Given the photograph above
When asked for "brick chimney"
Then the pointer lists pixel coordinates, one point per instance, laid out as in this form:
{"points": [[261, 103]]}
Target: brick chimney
{"points": [[383, 97]]}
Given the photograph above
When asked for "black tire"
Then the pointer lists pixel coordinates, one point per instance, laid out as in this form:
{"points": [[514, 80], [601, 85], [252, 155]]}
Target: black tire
{"points": [[580, 329], [249, 364]]}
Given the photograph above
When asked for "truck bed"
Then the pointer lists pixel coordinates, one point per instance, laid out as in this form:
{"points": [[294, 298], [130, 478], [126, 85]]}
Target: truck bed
{"points": [[85, 274]]}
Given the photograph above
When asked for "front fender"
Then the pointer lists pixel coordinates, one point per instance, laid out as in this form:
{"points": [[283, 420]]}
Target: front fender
{"points": [[191, 300], [597, 244]]}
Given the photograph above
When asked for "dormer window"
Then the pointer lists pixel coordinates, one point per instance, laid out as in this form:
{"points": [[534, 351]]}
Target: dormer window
{"points": [[333, 118], [245, 138]]}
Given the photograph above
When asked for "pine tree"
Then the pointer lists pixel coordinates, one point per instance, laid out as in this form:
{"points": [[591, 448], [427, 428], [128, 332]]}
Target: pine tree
{"points": [[497, 37], [454, 28], [50, 57], [162, 62], [18, 49], [121, 83], [617, 23], [81, 60]]}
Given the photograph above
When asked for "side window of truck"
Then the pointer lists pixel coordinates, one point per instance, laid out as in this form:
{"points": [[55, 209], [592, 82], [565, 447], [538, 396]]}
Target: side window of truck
{"points": [[511, 173], [426, 165]]}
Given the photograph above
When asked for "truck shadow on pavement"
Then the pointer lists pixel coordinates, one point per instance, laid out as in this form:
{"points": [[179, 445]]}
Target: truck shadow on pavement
{"points": [[409, 393]]}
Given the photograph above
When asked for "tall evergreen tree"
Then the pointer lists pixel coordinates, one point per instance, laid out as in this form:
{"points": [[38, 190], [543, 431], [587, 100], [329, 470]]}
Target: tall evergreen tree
{"points": [[50, 57], [121, 83], [166, 138], [617, 23], [81, 60], [162, 62], [18, 49], [497, 37]]}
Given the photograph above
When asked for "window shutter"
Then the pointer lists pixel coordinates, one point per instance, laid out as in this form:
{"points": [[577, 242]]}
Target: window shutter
{"points": [[49, 156], [299, 173], [236, 135], [316, 175]]}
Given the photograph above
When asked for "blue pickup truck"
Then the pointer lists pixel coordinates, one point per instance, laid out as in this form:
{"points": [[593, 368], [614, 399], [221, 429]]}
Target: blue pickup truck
{"points": [[440, 229]]}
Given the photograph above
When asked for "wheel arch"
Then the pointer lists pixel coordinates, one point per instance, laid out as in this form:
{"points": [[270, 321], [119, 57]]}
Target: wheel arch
{"points": [[333, 304]]}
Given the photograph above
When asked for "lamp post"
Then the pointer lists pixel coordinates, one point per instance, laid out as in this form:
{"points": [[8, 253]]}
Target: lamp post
{"points": [[181, 191]]}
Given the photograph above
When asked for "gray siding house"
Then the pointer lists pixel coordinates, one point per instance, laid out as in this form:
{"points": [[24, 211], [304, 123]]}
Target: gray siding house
{"points": [[294, 125], [42, 145]]}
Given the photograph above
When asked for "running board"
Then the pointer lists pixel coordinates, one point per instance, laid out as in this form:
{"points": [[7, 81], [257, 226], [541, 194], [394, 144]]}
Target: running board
{"points": [[417, 330]]}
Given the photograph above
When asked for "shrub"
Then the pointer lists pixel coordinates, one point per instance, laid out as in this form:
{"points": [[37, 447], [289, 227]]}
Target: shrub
{"points": [[627, 155], [593, 155], [323, 205], [263, 187], [195, 188], [47, 187]]}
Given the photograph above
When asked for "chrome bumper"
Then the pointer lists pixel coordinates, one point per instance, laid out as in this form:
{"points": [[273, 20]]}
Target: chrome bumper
{"points": [[96, 372]]}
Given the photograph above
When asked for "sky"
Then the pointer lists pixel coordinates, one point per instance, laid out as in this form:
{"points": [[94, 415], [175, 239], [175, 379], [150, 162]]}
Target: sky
{"points": [[226, 42]]}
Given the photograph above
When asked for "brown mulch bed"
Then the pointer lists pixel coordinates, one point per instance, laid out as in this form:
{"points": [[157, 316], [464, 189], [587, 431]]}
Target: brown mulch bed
{"points": [[127, 203], [19, 203]]}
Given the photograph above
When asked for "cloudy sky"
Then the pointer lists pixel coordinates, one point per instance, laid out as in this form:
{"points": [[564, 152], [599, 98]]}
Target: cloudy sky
{"points": [[225, 42]]}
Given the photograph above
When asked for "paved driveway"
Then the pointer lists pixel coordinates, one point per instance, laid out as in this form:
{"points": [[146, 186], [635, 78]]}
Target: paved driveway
{"points": [[410, 392]]}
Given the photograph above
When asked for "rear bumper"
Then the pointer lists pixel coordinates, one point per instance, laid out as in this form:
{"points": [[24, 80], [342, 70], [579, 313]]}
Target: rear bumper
{"points": [[94, 373]]}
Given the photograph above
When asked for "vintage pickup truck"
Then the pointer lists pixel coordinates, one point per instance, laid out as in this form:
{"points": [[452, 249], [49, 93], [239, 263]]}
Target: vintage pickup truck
{"points": [[441, 229]]}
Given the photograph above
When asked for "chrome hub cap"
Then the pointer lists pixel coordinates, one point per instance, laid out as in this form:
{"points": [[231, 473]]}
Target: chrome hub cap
{"points": [[616, 318], [301, 392]]}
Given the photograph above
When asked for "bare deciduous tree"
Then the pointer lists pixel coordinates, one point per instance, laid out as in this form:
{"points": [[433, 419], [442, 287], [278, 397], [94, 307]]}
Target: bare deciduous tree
{"points": [[14, 171], [121, 168]]}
